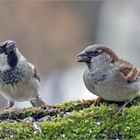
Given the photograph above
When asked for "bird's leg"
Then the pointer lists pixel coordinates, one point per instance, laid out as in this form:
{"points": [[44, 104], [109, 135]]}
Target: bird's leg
{"points": [[98, 101], [121, 109], [38, 102], [10, 105]]}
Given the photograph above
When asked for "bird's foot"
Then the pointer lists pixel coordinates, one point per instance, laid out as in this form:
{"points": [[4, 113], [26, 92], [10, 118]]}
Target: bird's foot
{"points": [[98, 101], [45, 106], [6, 110], [38, 102], [121, 109]]}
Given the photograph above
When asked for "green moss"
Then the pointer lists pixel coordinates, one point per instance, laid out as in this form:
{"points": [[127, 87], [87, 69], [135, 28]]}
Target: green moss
{"points": [[37, 113], [85, 122]]}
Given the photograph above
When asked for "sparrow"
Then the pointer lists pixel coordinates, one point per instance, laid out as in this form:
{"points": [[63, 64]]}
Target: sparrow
{"points": [[108, 76], [19, 80]]}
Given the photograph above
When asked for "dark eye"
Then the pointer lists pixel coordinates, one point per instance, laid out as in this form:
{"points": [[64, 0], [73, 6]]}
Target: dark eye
{"points": [[3, 48], [94, 53]]}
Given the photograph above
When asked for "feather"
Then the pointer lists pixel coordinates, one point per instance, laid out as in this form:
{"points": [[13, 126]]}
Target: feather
{"points": [[35, 74], [34, 71], [129, 71]]}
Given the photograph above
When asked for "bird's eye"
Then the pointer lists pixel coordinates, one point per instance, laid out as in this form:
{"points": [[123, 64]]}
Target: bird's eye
{"points": [[94, 53], [2, 48]]}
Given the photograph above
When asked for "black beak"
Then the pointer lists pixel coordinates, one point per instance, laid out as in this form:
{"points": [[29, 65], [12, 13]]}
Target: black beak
{"points": [[83, 57]]}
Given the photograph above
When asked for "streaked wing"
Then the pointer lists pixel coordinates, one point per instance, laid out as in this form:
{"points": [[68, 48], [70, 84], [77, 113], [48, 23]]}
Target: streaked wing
{"points": [[34, 71], [35, 74], [130, 72]]}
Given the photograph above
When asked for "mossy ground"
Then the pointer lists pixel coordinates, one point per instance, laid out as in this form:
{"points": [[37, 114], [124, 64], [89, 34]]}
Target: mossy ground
{"points": [[85, 122]]}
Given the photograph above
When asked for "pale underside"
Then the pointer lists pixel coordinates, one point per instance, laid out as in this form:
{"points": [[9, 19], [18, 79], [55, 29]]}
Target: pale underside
{"points": [[113, 88], [26, 89]]}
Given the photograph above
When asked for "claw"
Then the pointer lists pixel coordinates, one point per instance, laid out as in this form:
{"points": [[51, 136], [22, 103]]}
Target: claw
{"points": [[98, 101], [8, 108], [121, 109], [38, 102]]}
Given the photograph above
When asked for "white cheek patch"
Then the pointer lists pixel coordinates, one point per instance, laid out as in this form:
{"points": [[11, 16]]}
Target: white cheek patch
{"points": [[3, 62], [3, 59], [20, 56], [100, 51], [100, 60]]}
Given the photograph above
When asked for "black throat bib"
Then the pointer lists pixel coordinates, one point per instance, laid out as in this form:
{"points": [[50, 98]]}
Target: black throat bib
{"points": [[12, 59]]}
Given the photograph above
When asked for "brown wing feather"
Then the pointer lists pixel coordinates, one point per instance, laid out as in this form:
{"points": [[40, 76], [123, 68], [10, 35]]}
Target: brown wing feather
{"points": [[35, 74], [34, 71], [129, 71]]}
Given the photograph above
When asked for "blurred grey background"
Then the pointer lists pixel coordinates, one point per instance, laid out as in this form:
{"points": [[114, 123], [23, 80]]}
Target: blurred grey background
{"points": [[50, 34]]}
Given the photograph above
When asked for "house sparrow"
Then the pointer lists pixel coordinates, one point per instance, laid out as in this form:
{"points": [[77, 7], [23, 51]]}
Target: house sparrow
{"points": [[108, 76], [19, 80]]}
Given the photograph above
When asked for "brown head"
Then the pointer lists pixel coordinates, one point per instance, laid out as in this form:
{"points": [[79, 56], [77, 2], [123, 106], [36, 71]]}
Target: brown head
{"points": [[94, 51]]}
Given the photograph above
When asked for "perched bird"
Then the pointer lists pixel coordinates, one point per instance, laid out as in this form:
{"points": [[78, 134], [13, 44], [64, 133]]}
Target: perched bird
{"points": [[108, 76], [19, 80]]}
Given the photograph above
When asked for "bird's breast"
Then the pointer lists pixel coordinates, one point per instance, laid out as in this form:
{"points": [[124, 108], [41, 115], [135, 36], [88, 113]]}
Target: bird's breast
{"points": [[16, 86], [99, 76], [12, 76], [111, 86]]}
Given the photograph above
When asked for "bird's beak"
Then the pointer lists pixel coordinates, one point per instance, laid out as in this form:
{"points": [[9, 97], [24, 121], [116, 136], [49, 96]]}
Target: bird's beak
{"points": [[82, 57], [10, 46]]}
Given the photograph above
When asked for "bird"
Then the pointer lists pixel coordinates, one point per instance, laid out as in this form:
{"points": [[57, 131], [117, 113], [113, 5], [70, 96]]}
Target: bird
{"points": [[19, 80], [108, 76]]}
